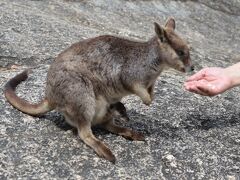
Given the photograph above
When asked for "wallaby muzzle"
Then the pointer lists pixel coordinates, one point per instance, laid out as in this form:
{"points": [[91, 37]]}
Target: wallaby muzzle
{"points": [[189, 68]]}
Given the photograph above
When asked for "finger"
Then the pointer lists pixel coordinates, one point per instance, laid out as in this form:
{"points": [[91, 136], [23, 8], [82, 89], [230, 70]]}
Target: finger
{"points": [[190, 85], [197, 76], [200, 93], [197, 91]]}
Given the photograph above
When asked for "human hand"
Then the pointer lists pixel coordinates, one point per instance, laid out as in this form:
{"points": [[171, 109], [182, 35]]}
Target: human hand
{"points": [[209, 81]]}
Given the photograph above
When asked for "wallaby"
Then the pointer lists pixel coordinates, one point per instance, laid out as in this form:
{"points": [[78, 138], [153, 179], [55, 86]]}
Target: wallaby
{"points": [[87, 81]]}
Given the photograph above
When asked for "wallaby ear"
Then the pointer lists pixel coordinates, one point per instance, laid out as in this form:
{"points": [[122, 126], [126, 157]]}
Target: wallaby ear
{"points": [[170, 23], [159, 31]]}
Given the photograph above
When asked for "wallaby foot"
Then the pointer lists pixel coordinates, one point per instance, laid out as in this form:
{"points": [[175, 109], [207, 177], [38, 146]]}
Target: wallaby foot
{"points": [[122, 131], [99, 147], [143, 93]]}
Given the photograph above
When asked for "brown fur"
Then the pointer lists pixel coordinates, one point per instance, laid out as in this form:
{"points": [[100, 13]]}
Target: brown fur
{"points": [[87, 81], [20, 104]]}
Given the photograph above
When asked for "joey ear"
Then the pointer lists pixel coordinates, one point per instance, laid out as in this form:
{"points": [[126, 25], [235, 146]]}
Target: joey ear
{"points": [[170, 23], [159, 31]]}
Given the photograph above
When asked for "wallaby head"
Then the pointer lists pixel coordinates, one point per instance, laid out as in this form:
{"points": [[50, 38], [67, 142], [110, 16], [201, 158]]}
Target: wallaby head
{"points": [[119, 110], [174, 50]]}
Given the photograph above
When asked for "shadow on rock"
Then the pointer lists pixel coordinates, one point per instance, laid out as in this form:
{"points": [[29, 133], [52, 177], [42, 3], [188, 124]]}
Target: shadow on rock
{"points": [[152, 126], [140, 126], [204, 122], [58, 120]]}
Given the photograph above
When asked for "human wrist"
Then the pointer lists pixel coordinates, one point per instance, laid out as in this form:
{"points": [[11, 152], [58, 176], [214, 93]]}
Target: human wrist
{"points": [[233, 72]]}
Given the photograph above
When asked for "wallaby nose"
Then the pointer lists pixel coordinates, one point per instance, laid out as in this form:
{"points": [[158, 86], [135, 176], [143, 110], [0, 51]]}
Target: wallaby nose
{"points": [[189, 68], [192, 68]]}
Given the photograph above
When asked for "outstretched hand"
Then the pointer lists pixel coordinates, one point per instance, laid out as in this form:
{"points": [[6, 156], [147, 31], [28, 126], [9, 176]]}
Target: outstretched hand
{"points": [[209, 81]]}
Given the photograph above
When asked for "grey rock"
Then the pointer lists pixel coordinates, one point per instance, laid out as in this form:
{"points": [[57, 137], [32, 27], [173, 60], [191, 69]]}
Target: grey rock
{"points": [[187, 136]]}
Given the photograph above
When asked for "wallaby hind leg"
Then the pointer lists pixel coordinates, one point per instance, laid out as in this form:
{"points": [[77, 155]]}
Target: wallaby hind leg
{"points": [[79, 111], [99, 147], [123, 131]]}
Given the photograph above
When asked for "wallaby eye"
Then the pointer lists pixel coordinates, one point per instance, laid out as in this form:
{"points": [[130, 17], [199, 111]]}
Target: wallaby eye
{"points": [[180, 53]]}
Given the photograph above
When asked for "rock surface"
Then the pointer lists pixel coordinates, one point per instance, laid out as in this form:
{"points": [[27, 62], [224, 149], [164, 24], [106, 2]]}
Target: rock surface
{"points": [[187, 136]]}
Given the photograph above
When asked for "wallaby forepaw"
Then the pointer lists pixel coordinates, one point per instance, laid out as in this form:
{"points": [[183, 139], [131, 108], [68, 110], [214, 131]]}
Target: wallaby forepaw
{"points": [[147, 102]]}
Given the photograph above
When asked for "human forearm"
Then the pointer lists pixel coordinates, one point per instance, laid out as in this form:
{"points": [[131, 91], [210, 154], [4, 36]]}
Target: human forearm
{"points": [[234, 73]]}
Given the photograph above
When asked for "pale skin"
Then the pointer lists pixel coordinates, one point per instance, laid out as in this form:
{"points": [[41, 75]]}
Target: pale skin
{"points": [[212, 81]]}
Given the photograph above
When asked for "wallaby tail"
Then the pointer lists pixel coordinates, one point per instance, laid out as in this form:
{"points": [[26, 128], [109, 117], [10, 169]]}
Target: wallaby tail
{"points": [[21, 104]]}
